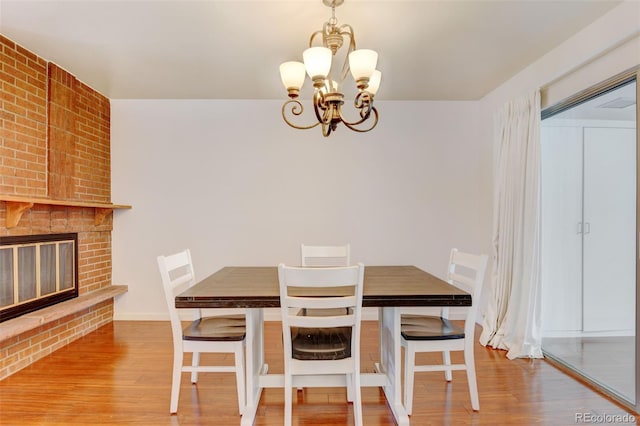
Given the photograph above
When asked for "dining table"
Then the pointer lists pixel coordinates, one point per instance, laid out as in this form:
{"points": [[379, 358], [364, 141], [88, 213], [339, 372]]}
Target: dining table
{"points": [[388, 288]]}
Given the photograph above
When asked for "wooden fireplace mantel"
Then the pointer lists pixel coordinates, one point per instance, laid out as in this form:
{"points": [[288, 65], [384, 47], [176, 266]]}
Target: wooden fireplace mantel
{"points": [[17, 205]]}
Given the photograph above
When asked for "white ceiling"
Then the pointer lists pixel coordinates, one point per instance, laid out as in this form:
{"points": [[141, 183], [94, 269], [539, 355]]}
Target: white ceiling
{"points": [[215, 49]]}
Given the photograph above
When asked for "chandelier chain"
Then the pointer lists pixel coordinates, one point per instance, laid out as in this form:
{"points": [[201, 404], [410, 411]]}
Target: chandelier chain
{"points": [[333, 21]]}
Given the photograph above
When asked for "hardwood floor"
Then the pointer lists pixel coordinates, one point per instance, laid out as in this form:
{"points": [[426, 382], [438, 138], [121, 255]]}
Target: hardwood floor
{"points": [[120, 374]]}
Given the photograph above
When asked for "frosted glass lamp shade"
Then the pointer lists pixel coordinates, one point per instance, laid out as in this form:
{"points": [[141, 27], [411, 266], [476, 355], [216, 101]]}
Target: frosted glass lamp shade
{"points": [[374, 82], [317, 61], [292, 74], [362, 63]]}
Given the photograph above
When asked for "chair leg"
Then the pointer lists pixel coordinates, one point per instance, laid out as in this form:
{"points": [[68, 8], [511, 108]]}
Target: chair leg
{"points": [[240, 379], [357, 399], [195, 361], [409, 366], [446, 360], [175, 380], [350, 384], [471, 378], [287, 399]]}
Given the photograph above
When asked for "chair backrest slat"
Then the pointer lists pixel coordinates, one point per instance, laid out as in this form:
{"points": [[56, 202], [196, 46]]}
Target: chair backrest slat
{"points": [[466, 281], [321, 302], [468, 260], [469, 270], [326, 322], [322, 277], [177, 260], [321, 256]]}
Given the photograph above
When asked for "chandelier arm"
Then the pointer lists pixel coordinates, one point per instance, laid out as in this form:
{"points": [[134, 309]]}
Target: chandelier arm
{"points": [[296, 109], [352, 125], [364, 103], [320, 108], [347, 30], [326, 130], [313, 35], [362, 98], [364, 117], [327, 124]]}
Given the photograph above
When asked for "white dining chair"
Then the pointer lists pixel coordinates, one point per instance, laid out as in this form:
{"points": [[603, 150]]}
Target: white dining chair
{"points": [[321, 345], [314, 256], [210, 334], [427, 333]]}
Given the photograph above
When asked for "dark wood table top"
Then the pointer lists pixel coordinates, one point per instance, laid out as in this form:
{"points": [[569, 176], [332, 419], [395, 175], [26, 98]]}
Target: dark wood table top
{"points": [[257, 287]]}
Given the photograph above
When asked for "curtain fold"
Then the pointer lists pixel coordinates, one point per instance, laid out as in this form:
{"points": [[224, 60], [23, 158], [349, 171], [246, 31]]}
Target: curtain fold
{"points": [[512, 320]]}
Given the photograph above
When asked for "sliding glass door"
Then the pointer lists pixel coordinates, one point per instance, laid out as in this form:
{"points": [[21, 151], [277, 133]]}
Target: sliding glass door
{"points": [[589, 236]]}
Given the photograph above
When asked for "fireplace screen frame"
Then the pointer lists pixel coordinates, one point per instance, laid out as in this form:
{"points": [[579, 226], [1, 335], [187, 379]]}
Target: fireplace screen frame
{"points": [[33, 280]]}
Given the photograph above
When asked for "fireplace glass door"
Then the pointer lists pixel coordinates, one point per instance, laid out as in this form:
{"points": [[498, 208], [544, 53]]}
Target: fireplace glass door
{"points": [[36, 271]]}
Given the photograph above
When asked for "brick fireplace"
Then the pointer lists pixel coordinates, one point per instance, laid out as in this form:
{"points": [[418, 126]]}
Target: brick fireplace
{"points": [[55, 177]]}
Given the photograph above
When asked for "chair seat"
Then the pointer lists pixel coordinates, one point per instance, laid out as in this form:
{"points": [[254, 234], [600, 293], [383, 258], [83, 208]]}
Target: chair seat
{"points": [[427, 327], [321, 344], [222, 328]]}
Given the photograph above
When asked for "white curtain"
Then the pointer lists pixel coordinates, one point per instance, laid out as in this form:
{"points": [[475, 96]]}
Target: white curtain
{"points": [[512, 320]]}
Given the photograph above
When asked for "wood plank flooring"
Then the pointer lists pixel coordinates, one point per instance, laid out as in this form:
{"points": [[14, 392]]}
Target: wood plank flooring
{"points": [[120, 375]]}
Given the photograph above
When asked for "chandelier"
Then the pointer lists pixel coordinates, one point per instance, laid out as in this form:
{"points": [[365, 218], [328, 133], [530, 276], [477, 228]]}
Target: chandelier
{"points": [[327, 95]]}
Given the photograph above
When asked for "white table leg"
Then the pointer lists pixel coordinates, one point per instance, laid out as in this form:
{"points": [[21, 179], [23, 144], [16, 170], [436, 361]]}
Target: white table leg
{"points": [[254, 363], [391, 361]]}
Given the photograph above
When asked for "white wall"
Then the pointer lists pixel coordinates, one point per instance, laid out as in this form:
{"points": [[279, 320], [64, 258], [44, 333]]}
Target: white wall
{"points": [[232, 182]]}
